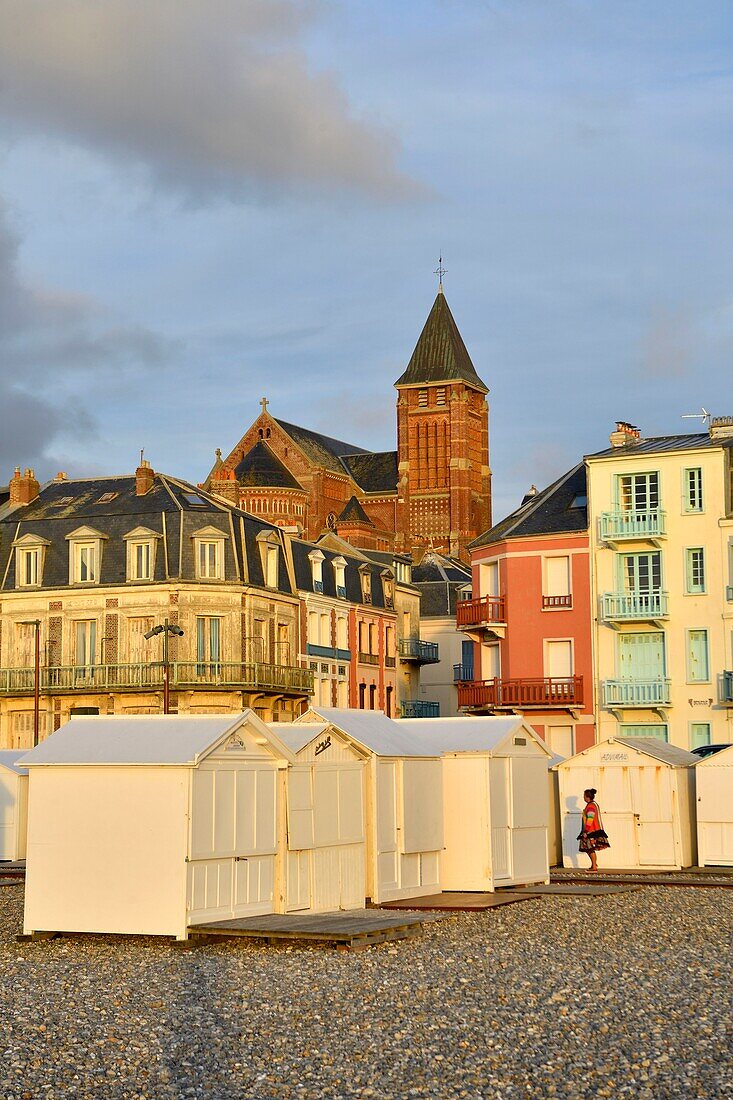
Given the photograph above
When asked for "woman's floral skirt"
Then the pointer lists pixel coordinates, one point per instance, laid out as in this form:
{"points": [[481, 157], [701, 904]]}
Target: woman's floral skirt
{"points": [[593, 842]]}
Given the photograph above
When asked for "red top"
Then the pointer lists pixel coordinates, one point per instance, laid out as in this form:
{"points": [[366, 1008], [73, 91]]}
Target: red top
{"points": [[591, 817]]}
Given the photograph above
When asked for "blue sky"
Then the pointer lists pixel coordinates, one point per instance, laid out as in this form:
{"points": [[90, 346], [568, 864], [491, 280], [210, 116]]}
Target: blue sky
{"points": [[205, 201]]}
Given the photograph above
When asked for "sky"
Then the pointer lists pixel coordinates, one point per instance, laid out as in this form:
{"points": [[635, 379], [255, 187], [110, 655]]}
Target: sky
{"points": [[204, 202]]}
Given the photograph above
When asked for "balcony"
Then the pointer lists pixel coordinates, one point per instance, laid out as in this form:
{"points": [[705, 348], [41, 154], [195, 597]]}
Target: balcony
{"points": [[726, 688], [521, 692], [636, 693], [648, 525], [625, 607], [421, 653], [485, 614], [420, 708], [328, 651], [557, 603], [229, 675], [368, 658]]}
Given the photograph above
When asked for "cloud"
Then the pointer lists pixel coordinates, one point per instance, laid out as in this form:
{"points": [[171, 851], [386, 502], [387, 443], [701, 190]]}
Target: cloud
{"points": [[49, 341], [210, 97]]}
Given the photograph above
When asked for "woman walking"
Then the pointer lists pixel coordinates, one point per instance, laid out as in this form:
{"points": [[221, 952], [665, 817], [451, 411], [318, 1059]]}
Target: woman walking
{"points": [[592, 837]]}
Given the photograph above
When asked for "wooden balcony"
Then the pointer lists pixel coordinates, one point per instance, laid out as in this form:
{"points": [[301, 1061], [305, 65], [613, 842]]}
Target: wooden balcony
{"points": [[231, 675], [483, 613], [636, 693], [420, 708], [368, 658], [419, 652], [627, 607], [522, 693], [644, 526], [557, 603]]}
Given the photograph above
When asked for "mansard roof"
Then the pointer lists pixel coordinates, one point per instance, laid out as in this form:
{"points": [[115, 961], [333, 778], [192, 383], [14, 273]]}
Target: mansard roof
{"points": [[559, 509], [440, 354], [354, 513], [261, 466]]}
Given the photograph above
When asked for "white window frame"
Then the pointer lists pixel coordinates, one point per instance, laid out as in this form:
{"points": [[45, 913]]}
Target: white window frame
{"points": [[141, 536], [339, 576], [269, 545], [29, 547], [316, 558], [546, 643], [215, 539], [689, 507], [85, 538]]}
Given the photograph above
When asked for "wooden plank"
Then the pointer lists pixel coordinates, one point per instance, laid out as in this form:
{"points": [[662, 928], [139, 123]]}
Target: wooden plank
{"points": [[453, 901], [348, 928]]}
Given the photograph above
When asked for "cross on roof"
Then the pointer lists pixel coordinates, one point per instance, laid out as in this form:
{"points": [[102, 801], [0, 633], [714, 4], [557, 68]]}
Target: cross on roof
{"points": [[264, 402], [440, 272]]}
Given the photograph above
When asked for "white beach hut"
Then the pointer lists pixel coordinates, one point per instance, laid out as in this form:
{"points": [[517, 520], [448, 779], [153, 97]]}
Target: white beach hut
{"points": [[13, 805], [646, 792], [404, 805], [714, 781], [148, 824], [495, 801], [326, 847]]}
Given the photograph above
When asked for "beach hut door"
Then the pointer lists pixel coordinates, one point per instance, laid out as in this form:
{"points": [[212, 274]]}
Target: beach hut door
{"points": [[388, 827], [653, 815], [501, 847]]}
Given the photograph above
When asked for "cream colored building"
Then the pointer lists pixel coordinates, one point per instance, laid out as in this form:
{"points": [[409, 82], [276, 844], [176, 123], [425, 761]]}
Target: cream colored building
{"points": [[661, 530]]}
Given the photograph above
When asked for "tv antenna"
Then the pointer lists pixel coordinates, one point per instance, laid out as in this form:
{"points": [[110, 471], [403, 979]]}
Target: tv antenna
{"points": [[704, 415]]}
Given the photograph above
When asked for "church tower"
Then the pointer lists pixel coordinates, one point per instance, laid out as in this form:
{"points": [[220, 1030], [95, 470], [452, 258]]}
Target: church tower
{"points": [[444, 478]]}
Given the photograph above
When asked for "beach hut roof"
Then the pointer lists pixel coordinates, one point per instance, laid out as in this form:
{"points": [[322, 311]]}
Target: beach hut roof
{"points": [[9, 760], [372, 729]]}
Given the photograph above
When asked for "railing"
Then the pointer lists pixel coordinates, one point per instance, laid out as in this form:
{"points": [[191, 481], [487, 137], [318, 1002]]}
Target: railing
{"points": [[651, 523], [424, 653], [369, 658], [636, 693], [462, 673], [331, 652], [548, 691], [420, 708], [483, 609], [390, 662], [622, 606], [234, 674], [549, 602], [726, 688]]}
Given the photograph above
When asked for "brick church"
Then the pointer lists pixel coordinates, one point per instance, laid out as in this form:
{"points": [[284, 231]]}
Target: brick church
{"points": [[434, 491]]}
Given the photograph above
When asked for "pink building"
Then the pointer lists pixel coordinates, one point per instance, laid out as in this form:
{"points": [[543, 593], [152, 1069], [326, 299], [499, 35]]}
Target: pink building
{"points": [[528, 623]]}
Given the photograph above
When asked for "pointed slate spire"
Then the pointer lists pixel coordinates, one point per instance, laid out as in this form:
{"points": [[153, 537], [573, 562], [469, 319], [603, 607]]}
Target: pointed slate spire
{"points": [[440, 354]]}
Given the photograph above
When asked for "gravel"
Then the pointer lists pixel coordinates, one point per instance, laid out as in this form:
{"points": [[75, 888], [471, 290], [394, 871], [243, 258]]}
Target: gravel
{"points": [[625, 995]]}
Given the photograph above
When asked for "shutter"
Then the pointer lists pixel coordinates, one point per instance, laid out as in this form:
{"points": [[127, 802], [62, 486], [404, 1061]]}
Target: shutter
{"points": [[557, 573]]}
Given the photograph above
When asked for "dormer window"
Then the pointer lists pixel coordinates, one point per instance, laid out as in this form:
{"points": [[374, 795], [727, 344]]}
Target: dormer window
{"points": [[316, 558], [141, 546], [269, 545], [339, 576], [208, 544], [85, 555], [366, 584], [30, 553], [388, 590], [403, 572]]}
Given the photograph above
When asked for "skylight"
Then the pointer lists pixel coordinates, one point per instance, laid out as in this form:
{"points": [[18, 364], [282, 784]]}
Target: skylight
{"points": [[580, 501], [195, 500]]}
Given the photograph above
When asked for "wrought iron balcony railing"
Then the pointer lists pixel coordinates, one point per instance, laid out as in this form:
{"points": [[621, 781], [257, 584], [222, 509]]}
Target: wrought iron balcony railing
{"points": [[246, 675], [420, 708], [634, 606], [480, 611], [548, 691], [636, 693], [648, 524], [422, 653]]}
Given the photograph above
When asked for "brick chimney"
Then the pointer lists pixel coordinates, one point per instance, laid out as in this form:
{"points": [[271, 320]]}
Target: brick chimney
{"points": [[224, 484], [721, 427], [144, 478], [625, 434], [25, 488]]}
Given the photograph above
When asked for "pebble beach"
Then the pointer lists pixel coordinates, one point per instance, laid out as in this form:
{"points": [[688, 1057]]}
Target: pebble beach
{"points": [[624, 995]]}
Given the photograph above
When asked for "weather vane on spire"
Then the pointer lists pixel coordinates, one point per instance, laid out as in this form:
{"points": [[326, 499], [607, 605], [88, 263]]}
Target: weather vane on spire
{"points": [[440, 272]]}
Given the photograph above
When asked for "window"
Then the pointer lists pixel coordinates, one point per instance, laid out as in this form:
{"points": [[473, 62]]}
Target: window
{"points": [[282, 646], [640, 573], [316, 559], [557, 582], [208, 645], [366, 584], [699, 734], [489, 578], [25, 644], [651, 729], [85, 643], [86, 567], [339, 575], [403, 572], [692, 490], [422, 399], [342, 636], [698, 665], [269, 545], [388, 586], [559, 658], [195, 500], [209, 560], [372, 696], [324, 637], [140, 561], [638, 492], [29, 561], [140, 651], [561, 740], [362, 696], [107, 497], [313, 627], [695, 570], [388, 696]]}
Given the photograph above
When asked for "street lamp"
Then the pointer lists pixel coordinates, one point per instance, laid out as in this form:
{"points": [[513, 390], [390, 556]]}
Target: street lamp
{"points": [[165, 629], [36, 678]]}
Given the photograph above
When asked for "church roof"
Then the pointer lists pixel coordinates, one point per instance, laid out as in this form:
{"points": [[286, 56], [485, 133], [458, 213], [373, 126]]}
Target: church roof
{"points": [[354, 513], [375, 472], [261, 466], [321, 449], [440, 354]]}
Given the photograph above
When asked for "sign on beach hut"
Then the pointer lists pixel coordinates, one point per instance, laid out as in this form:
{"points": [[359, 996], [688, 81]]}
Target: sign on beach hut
{"points": [[646, 793], [404, 809], [13, 805], [495, 799], [325, 857], [714, 780], [148, 824]]}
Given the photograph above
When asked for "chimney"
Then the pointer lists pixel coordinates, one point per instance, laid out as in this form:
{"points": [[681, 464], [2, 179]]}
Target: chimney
{"points": [[721, 427], [531, 492], [25, 488], [225, 485], [625, 434], [144, 478], [61, 476]]}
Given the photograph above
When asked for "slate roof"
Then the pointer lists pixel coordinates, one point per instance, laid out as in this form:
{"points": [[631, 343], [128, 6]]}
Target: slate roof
{"points": [[354, 513], [261, 466], [440, 354], [321, 449], [438, 599], [352, 575], [375, 472], [560, 508], [173, 510], [439, 567], [660, 443]]}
